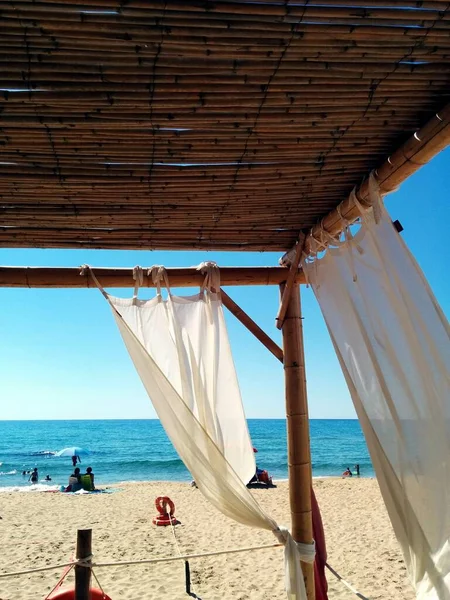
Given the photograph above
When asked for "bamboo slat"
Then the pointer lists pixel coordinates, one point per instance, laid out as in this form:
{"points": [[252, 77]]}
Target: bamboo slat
{"points": [[193, 125]]}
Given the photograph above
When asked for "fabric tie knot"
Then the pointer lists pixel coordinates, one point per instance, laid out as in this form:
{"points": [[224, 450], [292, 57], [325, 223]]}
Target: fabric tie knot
{"points": [[212, 276], [159, 276], [307, 552]]}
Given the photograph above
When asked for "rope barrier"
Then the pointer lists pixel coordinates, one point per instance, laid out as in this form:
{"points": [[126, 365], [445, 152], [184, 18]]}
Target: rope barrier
{"points": [[185, 556], [146, 561], [350, 587], [38, 570], [189, 585]]}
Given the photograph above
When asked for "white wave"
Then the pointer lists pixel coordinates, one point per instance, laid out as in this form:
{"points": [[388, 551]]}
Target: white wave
{"points": [[14, 472], [38, 487]]}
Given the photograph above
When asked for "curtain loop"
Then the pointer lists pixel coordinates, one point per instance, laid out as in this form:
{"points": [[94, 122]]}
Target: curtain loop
{"points": [[343, 219], [86, 270], [159, 276], [138, 276], [211, 283], [375, 197]]}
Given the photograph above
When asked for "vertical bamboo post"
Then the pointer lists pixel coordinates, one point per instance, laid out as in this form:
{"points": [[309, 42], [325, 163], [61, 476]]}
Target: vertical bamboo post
{"points": [[83, 574], [299, 454]]}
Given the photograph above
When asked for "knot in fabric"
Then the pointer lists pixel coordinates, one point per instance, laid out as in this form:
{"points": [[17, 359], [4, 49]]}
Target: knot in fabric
{"points": [[307, 552], [212, 276], [281, 533], [138, 275], [159, 276]]}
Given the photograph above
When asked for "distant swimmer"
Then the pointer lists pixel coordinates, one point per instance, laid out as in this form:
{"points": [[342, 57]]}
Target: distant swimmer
{"points": [[75, 459], [347, 473], [34, 477], [47, 478], [357, 470]]}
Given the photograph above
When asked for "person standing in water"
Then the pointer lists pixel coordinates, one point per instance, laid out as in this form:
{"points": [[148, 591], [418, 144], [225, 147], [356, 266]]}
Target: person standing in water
{"points": [[357, 470], [34, 477], [75, 459]]}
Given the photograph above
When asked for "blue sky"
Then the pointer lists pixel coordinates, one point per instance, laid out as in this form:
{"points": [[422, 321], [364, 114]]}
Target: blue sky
{"points": [[61, 356]]}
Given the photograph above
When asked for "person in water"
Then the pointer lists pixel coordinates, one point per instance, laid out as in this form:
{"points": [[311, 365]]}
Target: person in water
{"points": [[75, 459], [34, 477], [47, 478], [347, 473], [74, 481], [357, 470]]}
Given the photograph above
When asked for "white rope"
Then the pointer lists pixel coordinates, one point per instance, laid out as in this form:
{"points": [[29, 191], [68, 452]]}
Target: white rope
{"points": [[145, 561], [82, 562], [87, 562], [178, 545], [185, 556], [350, 587]]}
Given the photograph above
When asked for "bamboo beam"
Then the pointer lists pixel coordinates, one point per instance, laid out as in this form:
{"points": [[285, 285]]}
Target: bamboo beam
{"points": [[250, 324], [420, 148], [299, 454], [293, 270], [62, 277]]}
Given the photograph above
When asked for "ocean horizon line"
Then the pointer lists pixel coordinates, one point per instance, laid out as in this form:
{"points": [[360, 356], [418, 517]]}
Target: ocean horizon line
{"points": [[55, 420]]}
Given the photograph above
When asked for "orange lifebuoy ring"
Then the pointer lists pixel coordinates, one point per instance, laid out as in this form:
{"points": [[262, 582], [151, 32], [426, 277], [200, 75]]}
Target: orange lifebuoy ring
{"points": [[70, 595], [161, 504], [165, 516]]}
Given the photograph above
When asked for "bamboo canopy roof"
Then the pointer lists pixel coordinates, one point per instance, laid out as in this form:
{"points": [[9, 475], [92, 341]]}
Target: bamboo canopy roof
{"points": [[193, 124]]}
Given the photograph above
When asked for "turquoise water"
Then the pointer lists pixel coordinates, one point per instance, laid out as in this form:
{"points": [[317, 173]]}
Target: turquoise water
{"points": [[138, 450]]}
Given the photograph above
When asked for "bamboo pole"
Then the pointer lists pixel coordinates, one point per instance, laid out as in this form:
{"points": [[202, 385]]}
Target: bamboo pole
{"points": [[287, 291], [415, 153], [299, 455], [250, 324], [82, 573], [62, 277]]}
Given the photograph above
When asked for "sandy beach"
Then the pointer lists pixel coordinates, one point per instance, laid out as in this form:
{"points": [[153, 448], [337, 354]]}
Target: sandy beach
{"points": [[40, 529]]}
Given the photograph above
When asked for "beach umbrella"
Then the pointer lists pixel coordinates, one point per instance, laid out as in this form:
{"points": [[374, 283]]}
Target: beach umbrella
{"points": [[72, 451]]}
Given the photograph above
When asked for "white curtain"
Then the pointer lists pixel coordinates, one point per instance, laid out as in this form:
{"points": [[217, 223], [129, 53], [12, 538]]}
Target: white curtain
{"points": [[180, 349], [392, 341]]}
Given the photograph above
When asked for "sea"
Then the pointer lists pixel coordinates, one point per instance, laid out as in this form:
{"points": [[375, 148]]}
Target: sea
{"points": [[139, 450]]}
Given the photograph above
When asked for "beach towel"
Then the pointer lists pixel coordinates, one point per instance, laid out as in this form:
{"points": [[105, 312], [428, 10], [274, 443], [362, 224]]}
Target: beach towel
{"points": [[392, 341], [180, 349]]}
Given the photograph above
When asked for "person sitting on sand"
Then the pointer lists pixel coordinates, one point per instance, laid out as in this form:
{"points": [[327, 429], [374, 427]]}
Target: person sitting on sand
{"points": [[347, 473], [87, 480], [74, 481], [47, 478]]}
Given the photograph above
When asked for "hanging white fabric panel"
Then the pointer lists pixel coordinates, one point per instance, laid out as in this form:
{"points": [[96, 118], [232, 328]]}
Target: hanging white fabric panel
{"points": [[392, 341], [180, 349]]}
